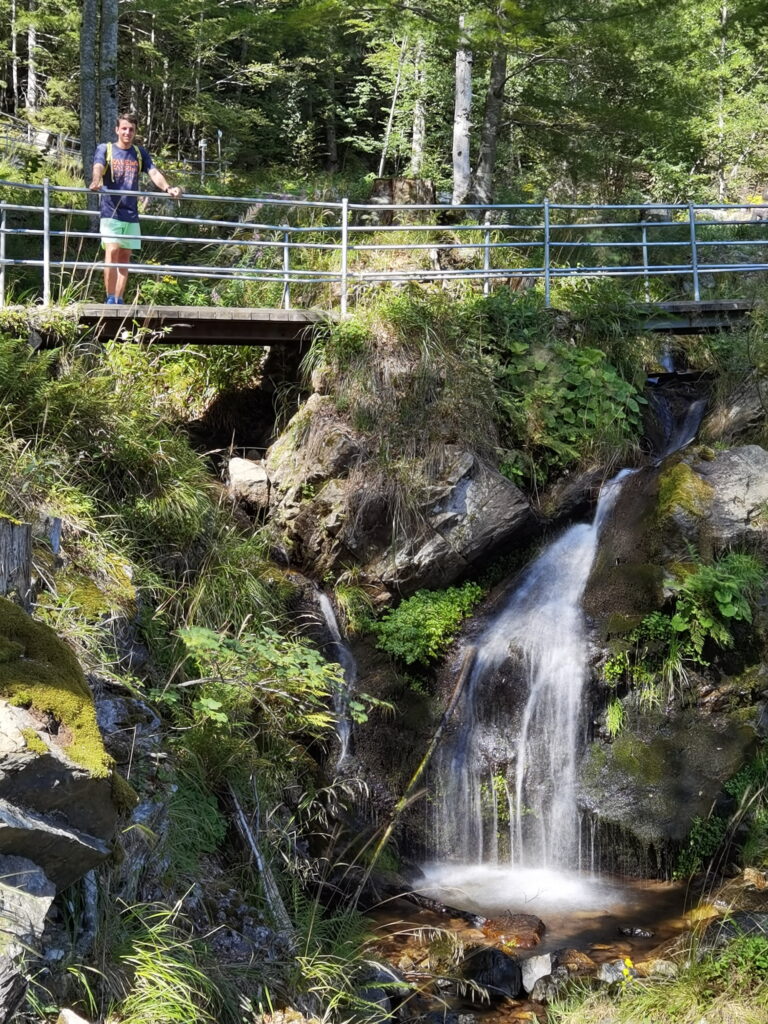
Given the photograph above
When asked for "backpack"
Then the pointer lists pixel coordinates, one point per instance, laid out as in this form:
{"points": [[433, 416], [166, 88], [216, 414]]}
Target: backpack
{"points": [[138, 157]]}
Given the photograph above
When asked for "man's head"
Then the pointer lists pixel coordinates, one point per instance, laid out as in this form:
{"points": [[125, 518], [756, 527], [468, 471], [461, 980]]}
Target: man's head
{"points": [[125, 129]]}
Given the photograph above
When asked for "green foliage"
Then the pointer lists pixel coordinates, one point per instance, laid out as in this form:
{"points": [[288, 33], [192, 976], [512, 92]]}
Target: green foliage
{"points": [[742, 964], [251, 693], [656, 654], [170, 981], [558, 404], [614, 718], [713, 597], [422, 627], [197, 826], [704, 840]]}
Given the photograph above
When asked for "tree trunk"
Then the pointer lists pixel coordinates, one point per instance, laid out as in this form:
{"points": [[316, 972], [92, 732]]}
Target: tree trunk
{"points": [[14, 60], [418, 138], [89, 31], [492, 117], [32, 90], [108, 68], [331, 141], [392, 109], [462, 174]]}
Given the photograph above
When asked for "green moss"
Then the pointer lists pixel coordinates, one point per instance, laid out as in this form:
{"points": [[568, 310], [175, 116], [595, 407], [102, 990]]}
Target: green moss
{"points": [[644, 761], [46, 676], [124, 795], [34, 742], [681, 488], [596, 761]]}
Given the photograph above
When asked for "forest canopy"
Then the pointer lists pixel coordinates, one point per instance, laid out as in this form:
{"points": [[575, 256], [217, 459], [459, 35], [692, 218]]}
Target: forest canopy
{"points": [[509, 99]]}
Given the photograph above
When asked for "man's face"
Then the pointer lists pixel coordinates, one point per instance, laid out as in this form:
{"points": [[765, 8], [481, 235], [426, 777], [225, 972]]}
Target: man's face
{"points": [[125, 133]]}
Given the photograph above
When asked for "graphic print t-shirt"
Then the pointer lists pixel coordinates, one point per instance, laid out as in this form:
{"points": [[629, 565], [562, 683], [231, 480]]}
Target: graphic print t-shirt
{"points": [[122, 173]]}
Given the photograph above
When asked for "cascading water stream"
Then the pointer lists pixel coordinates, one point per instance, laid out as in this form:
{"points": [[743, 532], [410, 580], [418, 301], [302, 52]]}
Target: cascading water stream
{"points": [[542, 622], [336, 650]]}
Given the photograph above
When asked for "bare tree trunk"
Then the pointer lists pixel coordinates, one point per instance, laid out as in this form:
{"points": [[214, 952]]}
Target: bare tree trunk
{"points": [[32, 85], [14, 59], [108, 68], [392, 109], [89, 32], [419, 136], [486, 163], [462, 174], [331, 140], [721, 182]]}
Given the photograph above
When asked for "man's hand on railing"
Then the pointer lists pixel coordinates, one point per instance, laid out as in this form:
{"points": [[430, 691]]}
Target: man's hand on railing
{"points": [[95, 185]]}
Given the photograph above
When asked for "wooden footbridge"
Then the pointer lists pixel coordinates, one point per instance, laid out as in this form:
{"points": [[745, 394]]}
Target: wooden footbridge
{"points": [[217, 325], [276, 267]]}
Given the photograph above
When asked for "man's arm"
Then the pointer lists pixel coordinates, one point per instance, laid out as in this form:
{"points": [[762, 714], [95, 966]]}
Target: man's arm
{"points": [[97, 176], [158, 178]]}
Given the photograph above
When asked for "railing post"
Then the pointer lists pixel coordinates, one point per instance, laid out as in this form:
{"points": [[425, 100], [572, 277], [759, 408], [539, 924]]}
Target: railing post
{"points": [[46, 241], [646, 278], [286, 268], [694, 253], [3, 225], [547, 276], [487, 261], [344, 253]]}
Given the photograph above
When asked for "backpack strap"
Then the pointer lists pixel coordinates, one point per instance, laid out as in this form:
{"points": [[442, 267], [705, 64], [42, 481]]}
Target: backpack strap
{"points": [[138, 157]]}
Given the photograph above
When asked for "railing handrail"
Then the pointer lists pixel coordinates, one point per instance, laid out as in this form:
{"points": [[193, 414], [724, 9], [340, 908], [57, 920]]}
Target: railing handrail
{"points": [[354, 233]]}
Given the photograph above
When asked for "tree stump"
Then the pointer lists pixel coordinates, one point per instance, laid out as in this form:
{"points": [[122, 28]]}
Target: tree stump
{"points": [[16, 561]]}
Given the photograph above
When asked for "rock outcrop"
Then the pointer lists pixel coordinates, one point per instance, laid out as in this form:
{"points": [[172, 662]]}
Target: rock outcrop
{"points": [[336, 511]]}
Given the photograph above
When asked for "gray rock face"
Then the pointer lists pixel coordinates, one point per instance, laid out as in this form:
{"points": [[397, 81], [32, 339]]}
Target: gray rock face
{"points": [[472, 510], [49, 783], [335, 515], [739, 482], [654, 779]]}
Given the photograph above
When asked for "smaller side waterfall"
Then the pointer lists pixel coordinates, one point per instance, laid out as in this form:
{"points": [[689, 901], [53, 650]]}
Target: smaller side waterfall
{"points": [[544, 624], [338, 651]]}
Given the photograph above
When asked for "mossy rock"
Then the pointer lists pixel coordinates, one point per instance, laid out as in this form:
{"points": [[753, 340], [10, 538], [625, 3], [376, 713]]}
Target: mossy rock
{"points": [[41, 673], [680, 489]]}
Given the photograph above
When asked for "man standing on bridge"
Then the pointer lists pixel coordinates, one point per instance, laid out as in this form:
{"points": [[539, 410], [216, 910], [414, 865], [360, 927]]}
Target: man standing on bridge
{"points": [[118, 166]]}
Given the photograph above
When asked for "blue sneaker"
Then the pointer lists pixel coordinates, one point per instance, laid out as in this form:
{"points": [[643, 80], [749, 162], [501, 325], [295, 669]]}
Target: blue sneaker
{"points": [[111, 300], [119, 301]]}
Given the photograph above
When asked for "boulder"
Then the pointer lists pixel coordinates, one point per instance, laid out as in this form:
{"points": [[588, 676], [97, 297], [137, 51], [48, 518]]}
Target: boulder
{"points": [[58, 805], [248, 482], [536, 967], [497, 972], [551, 986], [523, 931], [337, 511], [656, 777]]}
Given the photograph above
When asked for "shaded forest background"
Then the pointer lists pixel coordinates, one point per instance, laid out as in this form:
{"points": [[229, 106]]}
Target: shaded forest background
{"points": [[595, 99]]}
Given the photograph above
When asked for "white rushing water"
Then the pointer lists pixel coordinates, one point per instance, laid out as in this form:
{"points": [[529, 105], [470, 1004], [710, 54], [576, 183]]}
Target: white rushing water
{"points": [[531, 806], [339, 652]]}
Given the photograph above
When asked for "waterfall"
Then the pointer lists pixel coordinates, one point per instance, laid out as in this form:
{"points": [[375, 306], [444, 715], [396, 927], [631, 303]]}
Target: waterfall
{"points": [[338, 651], [542, 625]]}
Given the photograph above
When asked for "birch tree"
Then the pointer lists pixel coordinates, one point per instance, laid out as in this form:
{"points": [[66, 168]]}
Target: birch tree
{"points": [[462, 118]]}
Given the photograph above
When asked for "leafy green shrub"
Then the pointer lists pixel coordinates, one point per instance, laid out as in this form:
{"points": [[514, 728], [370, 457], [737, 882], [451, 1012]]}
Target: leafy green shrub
{"points": [[421, 628], [714, 596], [560, 404], [741, 965], [704, 840], [709, 600]]}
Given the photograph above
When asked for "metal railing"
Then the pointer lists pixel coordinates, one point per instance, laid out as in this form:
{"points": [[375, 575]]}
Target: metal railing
{"points": [[264, 250]]}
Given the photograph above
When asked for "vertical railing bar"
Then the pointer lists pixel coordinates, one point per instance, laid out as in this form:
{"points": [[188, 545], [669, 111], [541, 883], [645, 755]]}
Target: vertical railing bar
{"points": [[3, 226], [694, 253], [286, 268], [487, 255], [344, 253], [646, 277], [46, 241], [547, 278]]}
